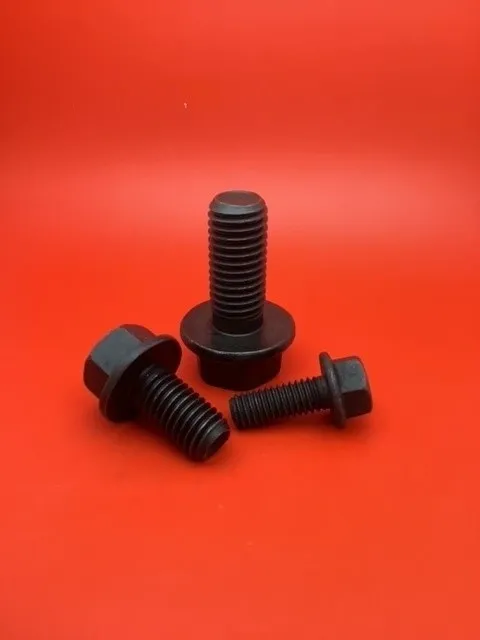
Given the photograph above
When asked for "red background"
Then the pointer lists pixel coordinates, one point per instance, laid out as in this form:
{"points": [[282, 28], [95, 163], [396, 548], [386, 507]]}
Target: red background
{"points": [[358, 122]]}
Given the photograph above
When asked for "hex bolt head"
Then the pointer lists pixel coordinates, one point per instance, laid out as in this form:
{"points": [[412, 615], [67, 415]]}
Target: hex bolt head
{"points": [[132, 373], [238, 336], [343, 389]]}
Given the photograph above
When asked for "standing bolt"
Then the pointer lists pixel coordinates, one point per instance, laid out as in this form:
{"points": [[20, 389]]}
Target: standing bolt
{"points": [[342, 388], [238, 336], [132, 372]]}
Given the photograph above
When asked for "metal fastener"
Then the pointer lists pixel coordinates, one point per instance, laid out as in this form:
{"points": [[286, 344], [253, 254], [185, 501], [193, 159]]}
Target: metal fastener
{"points": [[343, 389], [238, 336], [132, 372]]}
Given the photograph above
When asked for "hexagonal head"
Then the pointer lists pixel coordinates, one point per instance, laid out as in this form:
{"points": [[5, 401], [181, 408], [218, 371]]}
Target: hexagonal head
{"points": [[111, 352], [354, 386]]}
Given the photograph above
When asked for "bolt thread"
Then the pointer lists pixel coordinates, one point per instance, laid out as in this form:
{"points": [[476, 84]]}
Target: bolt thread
{"points": [[186, 418], [262, 407], [238, 260]]}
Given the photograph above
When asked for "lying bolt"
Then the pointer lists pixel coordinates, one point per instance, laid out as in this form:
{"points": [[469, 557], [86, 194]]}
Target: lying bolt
{"points": [[132, 372], [343, 388]]}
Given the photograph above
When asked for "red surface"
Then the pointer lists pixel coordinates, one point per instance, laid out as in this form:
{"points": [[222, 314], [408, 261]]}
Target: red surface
{"points": [[358, 122]]}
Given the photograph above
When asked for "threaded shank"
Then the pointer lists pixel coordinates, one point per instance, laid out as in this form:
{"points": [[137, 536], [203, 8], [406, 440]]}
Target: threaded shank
{"points": [[238, 255], [263, 407], [188, 420]]}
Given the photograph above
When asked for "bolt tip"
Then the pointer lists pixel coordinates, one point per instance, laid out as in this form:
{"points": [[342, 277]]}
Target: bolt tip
{"points": [[237, 202], [211, 442]]}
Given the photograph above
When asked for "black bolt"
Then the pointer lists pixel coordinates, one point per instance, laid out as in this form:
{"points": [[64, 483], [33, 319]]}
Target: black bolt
{"points": [[132, 372], [343, 388], [238, 336]]}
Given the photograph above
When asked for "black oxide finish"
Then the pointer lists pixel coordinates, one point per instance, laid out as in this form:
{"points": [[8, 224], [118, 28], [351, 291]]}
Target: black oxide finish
{"points": [[238, 336], [132, 373], [343, 388]]}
